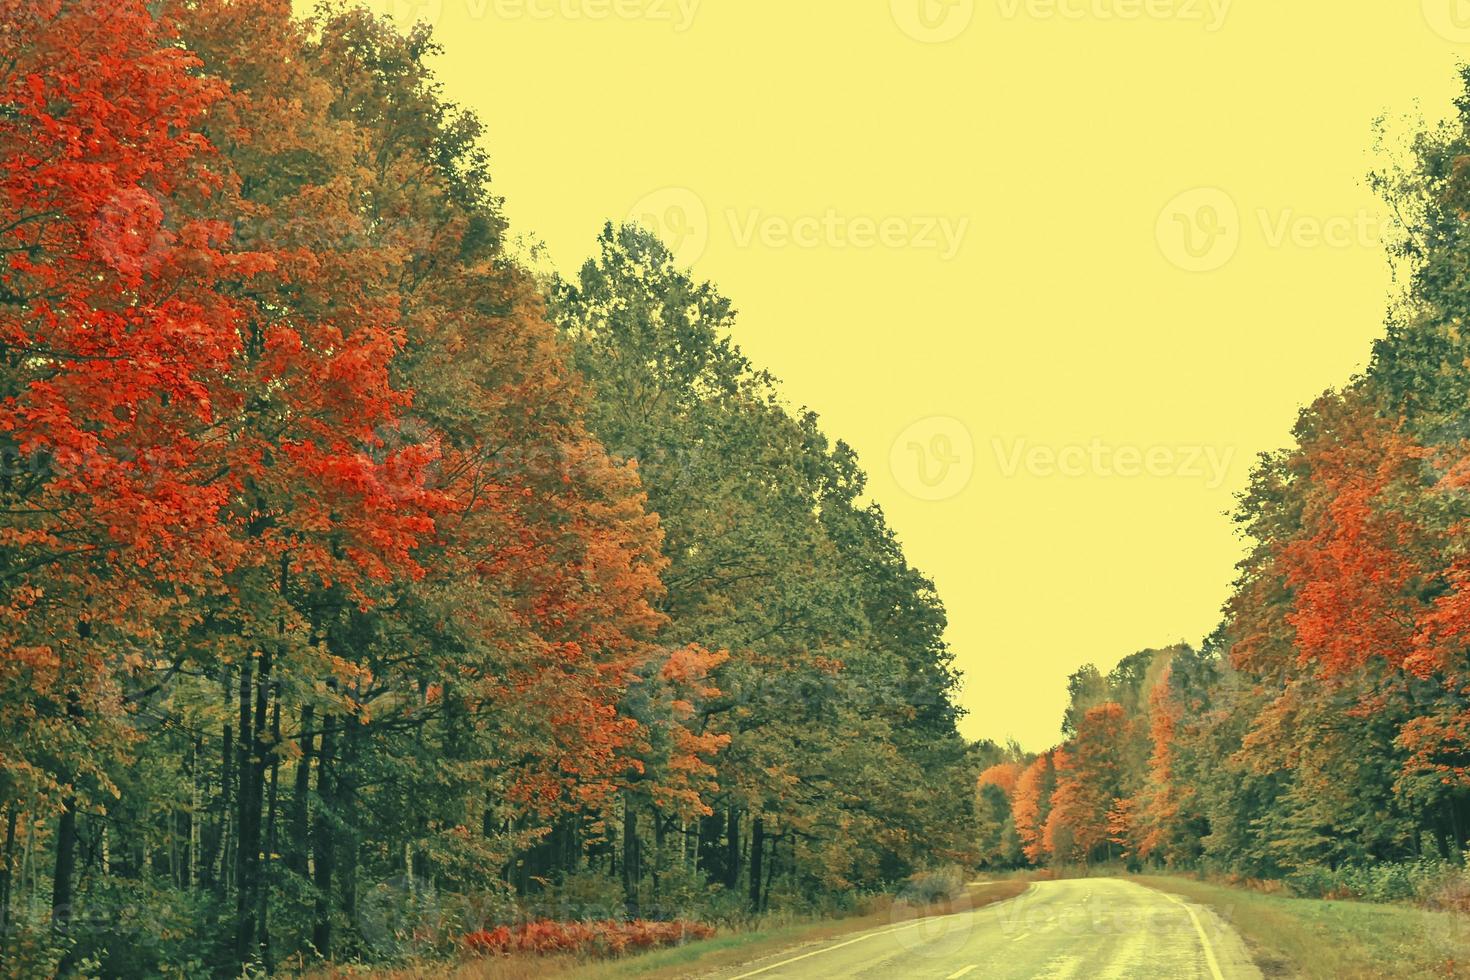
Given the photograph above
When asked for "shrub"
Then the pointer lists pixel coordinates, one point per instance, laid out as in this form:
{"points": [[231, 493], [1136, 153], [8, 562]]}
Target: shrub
{"points": [[28, 948], [585, 896], [1385, 882], [134, 928]]}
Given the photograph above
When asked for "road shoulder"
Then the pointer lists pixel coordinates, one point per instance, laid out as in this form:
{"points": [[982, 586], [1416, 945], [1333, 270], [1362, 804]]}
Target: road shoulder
{"points": [[1331, 940], [1226, 952], [732, 955]]}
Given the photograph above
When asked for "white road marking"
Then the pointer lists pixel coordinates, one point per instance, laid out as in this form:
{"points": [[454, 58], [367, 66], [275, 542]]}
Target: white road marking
{"points": [[826, 949], [959, 973], [1204, 940], [994, 906]]}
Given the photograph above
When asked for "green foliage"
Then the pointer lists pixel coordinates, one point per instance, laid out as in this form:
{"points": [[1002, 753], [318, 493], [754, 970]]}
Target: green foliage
{"points": [[33, 949], [143, 928], [838, 692], [1421, 881]]}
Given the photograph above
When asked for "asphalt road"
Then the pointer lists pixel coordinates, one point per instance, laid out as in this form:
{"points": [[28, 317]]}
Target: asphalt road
{"points": [[1084, 928]]}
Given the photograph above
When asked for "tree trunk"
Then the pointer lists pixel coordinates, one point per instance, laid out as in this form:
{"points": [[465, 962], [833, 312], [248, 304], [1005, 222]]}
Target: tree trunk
{"points": [[757, 853], [1457, 839], [262, 913], [62, 882], [66, 866], [247, 817], [732, 849], [7, 865], [658, 847], [791, 869], [771, 866], [300, 791], [707, 851], [632, 857], [323, 842], [191, 822], [214, 846], [346, 790]]}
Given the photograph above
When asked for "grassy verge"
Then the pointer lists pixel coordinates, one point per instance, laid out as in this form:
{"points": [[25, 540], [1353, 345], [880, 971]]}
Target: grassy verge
{"points": [[725, 950], [735, 948], [1332, 940]]}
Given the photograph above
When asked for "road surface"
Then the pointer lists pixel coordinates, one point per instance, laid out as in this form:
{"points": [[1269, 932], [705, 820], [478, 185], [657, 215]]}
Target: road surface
{"points": [[1079, 929]]}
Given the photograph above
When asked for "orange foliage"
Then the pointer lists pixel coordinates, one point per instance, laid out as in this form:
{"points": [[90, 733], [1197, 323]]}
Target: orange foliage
{"points": [[1356, 565], [607, 938], [1161, 802], [1029, 806], [1088, 772], [1003, 776]]}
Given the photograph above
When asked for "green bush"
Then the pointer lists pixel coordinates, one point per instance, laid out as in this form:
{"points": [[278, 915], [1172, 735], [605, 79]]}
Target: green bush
{"points": [[1412, 881], [132, 928], [28, 948], [585, 896]]}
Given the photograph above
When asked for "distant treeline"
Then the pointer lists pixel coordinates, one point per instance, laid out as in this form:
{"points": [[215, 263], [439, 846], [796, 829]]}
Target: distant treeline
{"points": [[1326, 723]]}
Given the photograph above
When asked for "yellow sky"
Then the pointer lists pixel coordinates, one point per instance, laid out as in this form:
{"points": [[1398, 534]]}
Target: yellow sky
{"points": [[1058, 269]]}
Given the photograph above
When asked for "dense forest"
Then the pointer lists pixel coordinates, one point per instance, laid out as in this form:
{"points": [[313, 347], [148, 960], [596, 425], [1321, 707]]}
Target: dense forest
{"points": [[1322, 733], [361, 586]]}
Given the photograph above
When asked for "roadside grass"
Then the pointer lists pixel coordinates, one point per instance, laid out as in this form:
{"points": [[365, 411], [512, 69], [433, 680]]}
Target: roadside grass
{"points": [[1333, 940], [726, 949], [742, 947]]}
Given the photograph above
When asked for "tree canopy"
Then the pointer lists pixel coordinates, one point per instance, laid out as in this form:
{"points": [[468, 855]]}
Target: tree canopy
{"points": [[361, 589]]}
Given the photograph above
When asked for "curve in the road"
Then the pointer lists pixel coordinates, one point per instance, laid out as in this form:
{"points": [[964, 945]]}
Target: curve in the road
{"points": [[1075, 929]]}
